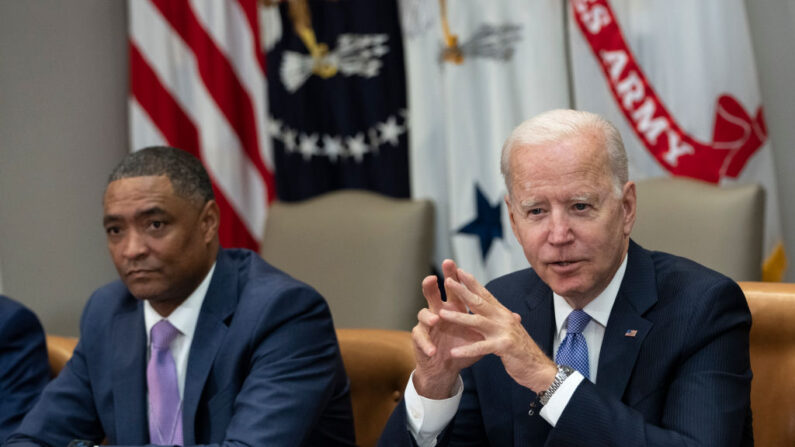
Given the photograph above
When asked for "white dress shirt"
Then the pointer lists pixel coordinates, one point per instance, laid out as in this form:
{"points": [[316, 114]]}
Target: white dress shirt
{"points": [[428, 417], [184, 318]]}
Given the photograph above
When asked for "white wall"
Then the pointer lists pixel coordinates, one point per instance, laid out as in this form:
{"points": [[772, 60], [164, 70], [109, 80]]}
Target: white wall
{"points": [[63, 84], [773, 32]]}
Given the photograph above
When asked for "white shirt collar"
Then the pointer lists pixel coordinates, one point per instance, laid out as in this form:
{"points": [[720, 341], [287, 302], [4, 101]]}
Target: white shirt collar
{"points": [[598, 309], [186, 315]]}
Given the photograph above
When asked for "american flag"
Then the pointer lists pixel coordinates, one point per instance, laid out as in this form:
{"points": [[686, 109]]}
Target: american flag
{"points": [[631, 333], [197, 74]]}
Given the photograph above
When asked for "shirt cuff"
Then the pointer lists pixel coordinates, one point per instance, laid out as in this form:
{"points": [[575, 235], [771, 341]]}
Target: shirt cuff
{"points": [[428, 417], [560, 398]]}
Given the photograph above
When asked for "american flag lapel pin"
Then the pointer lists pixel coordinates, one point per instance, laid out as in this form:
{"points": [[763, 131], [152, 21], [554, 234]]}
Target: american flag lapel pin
{"points": [[631, 333]]}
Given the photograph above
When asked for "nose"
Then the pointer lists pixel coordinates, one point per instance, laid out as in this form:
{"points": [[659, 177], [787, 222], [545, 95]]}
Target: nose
{"points": [[134, 245], [560, 231]]}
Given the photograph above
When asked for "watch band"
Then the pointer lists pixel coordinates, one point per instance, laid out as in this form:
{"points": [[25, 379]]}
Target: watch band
{"points": [[563, 373]]}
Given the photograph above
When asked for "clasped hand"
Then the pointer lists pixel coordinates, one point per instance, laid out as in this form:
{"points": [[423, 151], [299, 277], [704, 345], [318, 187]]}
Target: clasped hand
{"points": [[448, 338]]}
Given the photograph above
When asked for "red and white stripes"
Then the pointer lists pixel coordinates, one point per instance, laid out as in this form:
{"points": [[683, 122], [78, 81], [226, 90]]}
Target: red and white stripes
{"points": [[197, 74]]}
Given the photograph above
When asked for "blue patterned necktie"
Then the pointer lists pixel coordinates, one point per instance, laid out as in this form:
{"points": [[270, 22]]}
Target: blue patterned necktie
{"points": [[573, 351]]}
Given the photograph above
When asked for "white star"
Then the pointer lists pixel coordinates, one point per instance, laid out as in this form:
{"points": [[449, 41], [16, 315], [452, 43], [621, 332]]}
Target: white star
{"points": [[288, 137], [357, 147], [275, 127], [332, 146], [390, 131], [308, 145]]}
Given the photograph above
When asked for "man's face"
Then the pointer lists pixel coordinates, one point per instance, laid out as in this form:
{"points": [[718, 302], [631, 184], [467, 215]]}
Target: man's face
{"points": [[161, 243], [572, 227]]}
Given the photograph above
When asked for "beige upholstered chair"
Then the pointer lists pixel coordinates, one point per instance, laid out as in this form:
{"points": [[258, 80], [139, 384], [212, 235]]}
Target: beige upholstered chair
{"points": [[720, 227], [379, 363], [366, 253], [772, 361]]}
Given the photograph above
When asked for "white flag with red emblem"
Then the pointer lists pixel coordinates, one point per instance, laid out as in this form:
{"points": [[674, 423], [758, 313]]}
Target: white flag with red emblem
{"points": [[198, 83], [679, 81]]}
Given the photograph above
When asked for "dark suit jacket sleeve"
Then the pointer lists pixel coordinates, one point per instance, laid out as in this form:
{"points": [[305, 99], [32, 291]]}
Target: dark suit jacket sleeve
{"points": [[24, 369], [705, 401], [66, 406], [466, 428], [296, 371]]}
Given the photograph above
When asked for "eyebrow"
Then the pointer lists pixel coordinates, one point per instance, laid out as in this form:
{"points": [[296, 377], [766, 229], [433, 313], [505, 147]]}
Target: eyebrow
{"points": [[153, 211]]}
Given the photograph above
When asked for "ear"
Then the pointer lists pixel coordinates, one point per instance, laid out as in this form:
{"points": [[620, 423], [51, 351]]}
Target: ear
{"points": [[629, 202], [209, 220]]}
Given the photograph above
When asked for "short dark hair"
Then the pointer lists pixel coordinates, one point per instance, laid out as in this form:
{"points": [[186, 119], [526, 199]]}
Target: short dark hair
{"points": [[183, 170]]}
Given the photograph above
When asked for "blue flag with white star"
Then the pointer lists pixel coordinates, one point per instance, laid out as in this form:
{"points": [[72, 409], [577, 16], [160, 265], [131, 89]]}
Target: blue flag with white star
{"points": [[476, 69], [337, 98]]}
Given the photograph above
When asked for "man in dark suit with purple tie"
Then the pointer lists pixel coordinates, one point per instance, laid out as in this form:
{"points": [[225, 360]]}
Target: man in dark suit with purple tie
{"points": [[195, 344]]}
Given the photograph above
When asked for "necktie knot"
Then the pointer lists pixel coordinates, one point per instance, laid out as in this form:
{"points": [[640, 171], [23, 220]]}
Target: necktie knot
{"points": [[578, 319], [163, 333]]}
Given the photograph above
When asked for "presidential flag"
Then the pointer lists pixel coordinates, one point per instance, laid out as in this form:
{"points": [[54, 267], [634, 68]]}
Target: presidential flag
{"points": [[337, 97], [679, 81], [197, 80], [475, 71]]}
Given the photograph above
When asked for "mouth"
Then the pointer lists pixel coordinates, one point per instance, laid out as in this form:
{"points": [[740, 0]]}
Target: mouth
{"points": [[139, 273], [566, 266]]}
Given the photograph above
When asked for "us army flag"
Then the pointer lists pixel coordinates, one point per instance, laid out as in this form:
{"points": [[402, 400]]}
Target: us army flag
{"points": [[678, 79], [475, 70]]}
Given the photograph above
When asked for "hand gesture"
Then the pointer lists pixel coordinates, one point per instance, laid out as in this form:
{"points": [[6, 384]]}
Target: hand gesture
{"points": [[435, 339], [500, 332]]}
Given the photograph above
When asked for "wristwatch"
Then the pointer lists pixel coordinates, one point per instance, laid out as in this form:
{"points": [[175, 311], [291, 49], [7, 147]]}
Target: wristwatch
{"points": [[563, 373]]}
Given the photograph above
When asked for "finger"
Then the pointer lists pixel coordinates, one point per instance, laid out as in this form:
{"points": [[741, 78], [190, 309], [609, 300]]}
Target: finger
{"points": [[450, 269], [517, 317], [476, 303], [430, 290], [478, 323], [422, 340], [474, 286], [427, 318], [476, 349]]}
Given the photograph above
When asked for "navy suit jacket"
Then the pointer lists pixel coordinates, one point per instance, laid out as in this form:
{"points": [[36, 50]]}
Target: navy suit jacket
{"points": [[264, 368], [24, 368], [683, 379]]}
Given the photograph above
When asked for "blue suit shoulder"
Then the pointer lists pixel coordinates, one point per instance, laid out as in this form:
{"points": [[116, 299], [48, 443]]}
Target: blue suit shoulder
{"points": [[24, 367]]}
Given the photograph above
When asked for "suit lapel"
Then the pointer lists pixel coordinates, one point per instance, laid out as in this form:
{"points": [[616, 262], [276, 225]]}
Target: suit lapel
{"points": [[129, 375], [538, 320], [211, 328], [621, 344]]}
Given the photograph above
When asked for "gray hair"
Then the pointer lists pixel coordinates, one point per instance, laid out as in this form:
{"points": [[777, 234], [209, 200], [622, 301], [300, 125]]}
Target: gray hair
{"points": [[556, 125], [185, 172]]}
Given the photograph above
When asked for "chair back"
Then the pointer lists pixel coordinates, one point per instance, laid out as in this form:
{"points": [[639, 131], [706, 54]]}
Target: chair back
{"points": [[772, 361], [365, 253], [59, 351], [720, 227], [379, 363]]}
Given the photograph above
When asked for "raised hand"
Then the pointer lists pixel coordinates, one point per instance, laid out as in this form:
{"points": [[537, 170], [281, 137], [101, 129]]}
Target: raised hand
{"points": [[500, 330], [435, 339]]}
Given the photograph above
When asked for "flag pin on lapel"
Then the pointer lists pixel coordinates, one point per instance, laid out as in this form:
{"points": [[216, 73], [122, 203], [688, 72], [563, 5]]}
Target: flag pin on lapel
{"points": [[631, 333]]}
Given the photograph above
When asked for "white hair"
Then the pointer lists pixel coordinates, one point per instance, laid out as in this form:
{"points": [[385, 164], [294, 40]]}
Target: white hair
{"points": [[556, 125]]}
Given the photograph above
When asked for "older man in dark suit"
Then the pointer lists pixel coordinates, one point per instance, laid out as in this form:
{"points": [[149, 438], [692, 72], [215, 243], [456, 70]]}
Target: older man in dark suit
{"points": [[649, 349]]}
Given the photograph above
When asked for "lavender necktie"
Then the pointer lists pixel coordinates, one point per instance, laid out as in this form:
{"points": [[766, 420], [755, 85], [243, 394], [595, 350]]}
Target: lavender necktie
{"points": [[573, 350], [165, 409]]}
